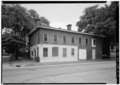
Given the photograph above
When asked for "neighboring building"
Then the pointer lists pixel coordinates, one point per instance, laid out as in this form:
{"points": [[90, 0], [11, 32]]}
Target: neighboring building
{"points": [[112, 50], [54, 45]]}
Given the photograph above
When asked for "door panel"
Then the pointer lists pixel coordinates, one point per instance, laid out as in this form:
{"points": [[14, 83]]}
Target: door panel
{"points": [[93, 54], [82, 54]]}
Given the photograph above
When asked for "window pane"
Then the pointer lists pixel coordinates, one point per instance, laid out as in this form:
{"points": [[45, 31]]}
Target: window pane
{"points": [[86, 41], [55, 37], [45, 52], [94, 42], [37, 51], [72, 39], [72, 51], [45, 37], [64, 52], [32, 53], [64, 39], [80, 40], [55, 51]]}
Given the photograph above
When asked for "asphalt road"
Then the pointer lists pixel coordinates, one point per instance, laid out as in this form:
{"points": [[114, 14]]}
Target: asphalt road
{"points": [[95, 72]]}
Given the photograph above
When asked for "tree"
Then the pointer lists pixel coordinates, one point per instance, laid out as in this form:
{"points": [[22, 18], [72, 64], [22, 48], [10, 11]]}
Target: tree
{"points": [[21, 21], [100, 21], [38, 21], [12, 43], [18, 18]]}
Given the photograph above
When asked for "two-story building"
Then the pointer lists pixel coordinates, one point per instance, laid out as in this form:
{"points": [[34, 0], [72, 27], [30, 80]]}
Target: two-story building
{"points": [[56, 44]]}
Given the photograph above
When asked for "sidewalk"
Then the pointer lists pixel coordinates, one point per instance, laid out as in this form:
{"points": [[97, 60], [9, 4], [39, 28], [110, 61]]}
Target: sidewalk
{"points": [[32, 63]]}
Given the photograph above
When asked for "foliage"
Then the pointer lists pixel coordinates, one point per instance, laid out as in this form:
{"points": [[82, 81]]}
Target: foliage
{"points": [[12, 43], [21, 21], [100, 21]]}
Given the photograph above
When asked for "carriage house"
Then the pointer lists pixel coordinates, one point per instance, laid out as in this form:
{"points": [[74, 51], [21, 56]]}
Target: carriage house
{"points": [[56, 45]]}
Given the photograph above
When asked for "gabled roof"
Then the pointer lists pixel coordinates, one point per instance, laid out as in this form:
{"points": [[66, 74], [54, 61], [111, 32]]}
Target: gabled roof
{"points": [[64, 30]]}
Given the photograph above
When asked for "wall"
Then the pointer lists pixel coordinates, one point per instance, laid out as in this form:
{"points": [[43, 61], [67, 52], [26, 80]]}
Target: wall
{"points": [[68, 40], [98, 48], [58, 58], [60, 37], [35, 39]]}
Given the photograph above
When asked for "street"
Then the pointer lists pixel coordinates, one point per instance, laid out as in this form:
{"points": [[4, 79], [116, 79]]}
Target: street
{"points": [[94, 72]]}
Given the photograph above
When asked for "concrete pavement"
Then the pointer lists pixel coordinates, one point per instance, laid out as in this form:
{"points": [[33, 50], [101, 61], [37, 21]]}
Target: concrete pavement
{"points": [[98, 72], [31, 63]]}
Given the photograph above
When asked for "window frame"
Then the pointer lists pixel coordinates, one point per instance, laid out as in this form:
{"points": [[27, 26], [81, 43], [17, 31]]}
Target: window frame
{"points": [[72, 51], [44, 37], [73, 40], [64, 52], [64, 39], [87, 41], [55, 54], [45, 53], [93, 45], [37, 51], [80, 40], [56, 37]]}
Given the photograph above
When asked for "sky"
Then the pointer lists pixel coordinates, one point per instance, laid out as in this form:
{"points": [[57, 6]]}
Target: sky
{"points": [[60, 15]]}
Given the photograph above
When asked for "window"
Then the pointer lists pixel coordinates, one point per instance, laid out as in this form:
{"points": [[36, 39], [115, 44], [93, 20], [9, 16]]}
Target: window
{"points": [[86, 41], [37, 51], [72, 52], [64, 52], [94, 41], [45, 52], [64, 39], [32, 53], [55, 51], [55, 38], [45, 37], [72, 39], [79, 40]]}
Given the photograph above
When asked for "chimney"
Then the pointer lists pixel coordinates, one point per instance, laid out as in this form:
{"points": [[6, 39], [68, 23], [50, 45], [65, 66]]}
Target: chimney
{"points": [[69, 27]]}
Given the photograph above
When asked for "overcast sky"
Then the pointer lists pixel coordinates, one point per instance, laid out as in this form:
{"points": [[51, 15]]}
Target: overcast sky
{"points": [[60, 15]]}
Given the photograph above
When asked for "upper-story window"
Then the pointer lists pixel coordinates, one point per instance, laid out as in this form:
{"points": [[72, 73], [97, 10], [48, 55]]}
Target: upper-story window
{"points": [[64, 39], [79, 40], [86, 41], [72, 39], [55, 38], [45, 37], [93, 42]]}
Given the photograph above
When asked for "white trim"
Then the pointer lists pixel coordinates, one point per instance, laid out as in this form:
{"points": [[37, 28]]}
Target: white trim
{"points": [[93, 42], [43, 37]]}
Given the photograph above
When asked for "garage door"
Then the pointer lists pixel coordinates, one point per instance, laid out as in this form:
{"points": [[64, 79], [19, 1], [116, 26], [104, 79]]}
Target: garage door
{"points": [[82, 54]]}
